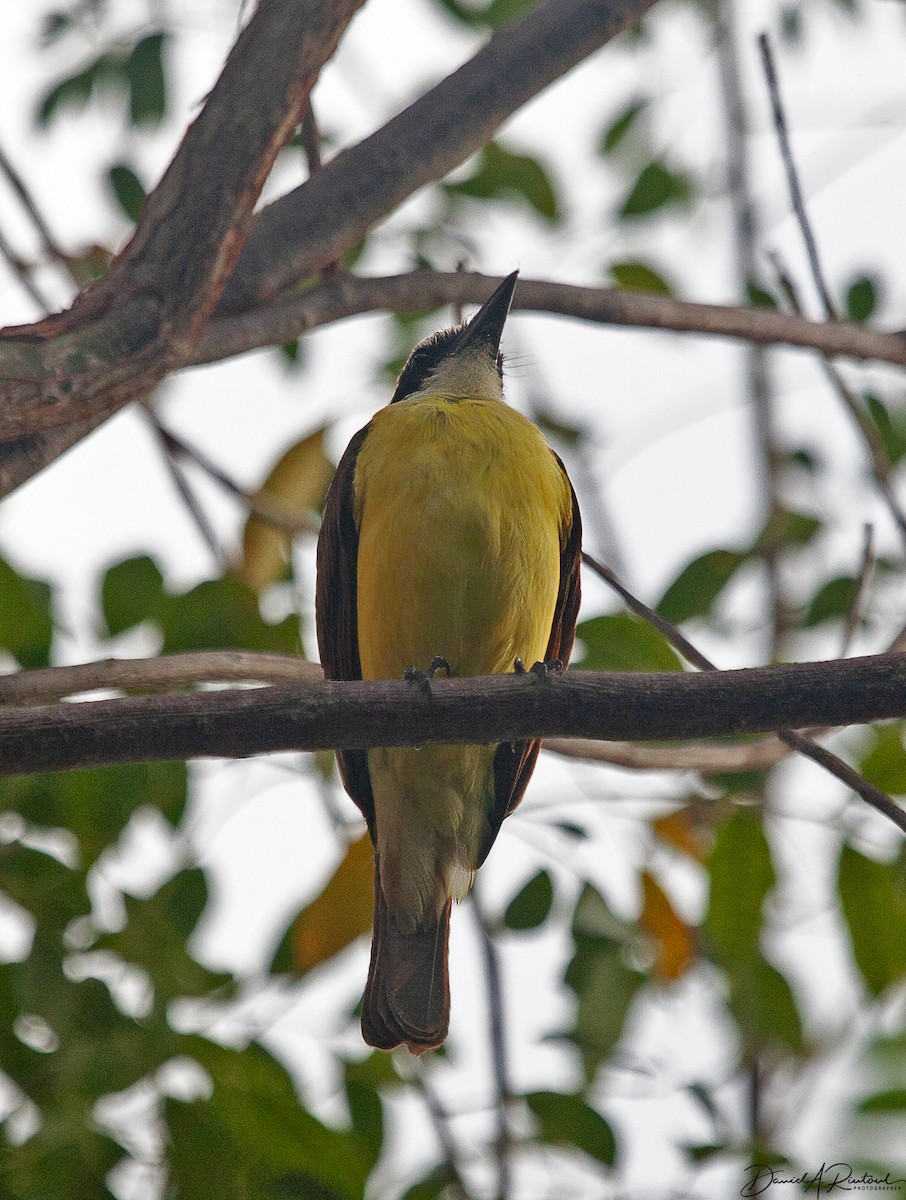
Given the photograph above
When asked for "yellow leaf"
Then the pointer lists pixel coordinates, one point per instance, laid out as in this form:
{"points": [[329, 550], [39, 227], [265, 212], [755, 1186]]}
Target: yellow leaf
{"points": [[296, 486], [341, 913], [674, 940]]}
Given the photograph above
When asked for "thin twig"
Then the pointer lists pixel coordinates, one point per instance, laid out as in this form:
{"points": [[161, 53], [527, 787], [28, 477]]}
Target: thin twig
{"points": [[882, 469], [745, 241], [310, 135], [267, 507], [49, 243], [854, 616], [503, 1141], [770, 72], [22, 273], [797, 741], [440, 1121], [188, 497]]}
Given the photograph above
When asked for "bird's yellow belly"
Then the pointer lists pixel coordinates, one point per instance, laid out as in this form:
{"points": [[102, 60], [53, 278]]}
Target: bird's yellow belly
{"points": [[459, 539], [460, 507]]}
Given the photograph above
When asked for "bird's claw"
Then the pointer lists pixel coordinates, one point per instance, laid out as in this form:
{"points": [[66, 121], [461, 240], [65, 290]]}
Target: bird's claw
{"points": [[421, 679], [544, 670]]}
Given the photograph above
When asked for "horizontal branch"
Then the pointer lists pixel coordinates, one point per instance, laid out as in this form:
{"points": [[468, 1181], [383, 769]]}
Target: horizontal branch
{"points": [[317, 715], [708, 758], [343, 295]]}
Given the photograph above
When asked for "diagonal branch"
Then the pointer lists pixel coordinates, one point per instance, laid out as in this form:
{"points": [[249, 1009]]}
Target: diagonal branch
{"points": [[332, 211], [141, 321]]}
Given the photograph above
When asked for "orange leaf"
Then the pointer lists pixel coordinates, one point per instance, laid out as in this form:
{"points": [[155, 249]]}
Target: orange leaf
{"points": [[674, 939], [340, 914], [682, 830]]}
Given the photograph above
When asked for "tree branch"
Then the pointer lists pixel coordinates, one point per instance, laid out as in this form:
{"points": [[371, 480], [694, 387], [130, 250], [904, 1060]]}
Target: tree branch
{"points": [[321, 714], [344, 295], [139, 322], [333, 210]]}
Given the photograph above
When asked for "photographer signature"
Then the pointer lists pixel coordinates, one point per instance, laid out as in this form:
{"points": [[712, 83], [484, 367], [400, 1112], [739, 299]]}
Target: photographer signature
{"points": [[828, 1178]]}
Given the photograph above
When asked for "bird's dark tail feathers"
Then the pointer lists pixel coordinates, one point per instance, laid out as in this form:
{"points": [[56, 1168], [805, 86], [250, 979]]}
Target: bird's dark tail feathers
{"points": [[407, 997]]}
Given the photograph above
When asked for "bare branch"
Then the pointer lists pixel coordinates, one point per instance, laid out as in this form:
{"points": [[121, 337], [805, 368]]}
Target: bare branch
{"points": [[323, 713], [166, 673], [346, 295], [705, 757], [49, 243], [796, 741], [770, 71], [331, 212], [503, 1141]]}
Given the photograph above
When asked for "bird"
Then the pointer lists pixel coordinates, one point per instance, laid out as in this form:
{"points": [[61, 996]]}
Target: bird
{"points": [[450, 540]]}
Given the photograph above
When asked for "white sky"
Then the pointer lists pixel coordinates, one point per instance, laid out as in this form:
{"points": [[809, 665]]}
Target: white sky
{"points": [[673, 439]]}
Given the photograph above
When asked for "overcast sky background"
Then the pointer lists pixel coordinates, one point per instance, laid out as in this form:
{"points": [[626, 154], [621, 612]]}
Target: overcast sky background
{"points": [[673, 447]]}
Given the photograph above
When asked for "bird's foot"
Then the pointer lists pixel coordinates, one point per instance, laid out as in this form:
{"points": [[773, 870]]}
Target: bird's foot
{"points": [[544, 670], [422, 679]]}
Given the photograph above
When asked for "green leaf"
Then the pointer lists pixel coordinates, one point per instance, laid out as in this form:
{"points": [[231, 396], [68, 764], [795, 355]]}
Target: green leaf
{"points": [[600, 968], [758, 297], [493, 14], [274, 1137], [893, 1100], [891, 426], [862, 297], [26, 624], [873, 897], [147, 85], [531, 906], [884, 765], [791, 24], [41, 884], [636, 276], [568, 1120], [224, 613], [76, 90], [763, 1005], [616, 132], [128, 190], [741, 874], [502, 173], [131, 592], [697, 587], [832, 601], [624, 642], [657, 187]]}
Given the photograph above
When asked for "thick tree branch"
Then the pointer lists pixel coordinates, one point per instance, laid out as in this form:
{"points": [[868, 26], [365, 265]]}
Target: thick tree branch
{"points": [[139, 322], [332, 211], [344, 295], [323, 714]]}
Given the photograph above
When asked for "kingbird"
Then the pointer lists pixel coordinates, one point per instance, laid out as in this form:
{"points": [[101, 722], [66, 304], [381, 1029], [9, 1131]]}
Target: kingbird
{"points": [[451, 536]]}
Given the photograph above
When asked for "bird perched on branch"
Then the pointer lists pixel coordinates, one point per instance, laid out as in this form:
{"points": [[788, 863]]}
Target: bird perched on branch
{"points": [[451, 539]]}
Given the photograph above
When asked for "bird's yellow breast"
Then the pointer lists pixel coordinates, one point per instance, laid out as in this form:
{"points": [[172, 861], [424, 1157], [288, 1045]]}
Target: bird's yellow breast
{"points": [[462, 510]]}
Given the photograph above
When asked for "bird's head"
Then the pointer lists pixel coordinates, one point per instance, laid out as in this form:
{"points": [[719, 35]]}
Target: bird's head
{"points": [[464, 361]]}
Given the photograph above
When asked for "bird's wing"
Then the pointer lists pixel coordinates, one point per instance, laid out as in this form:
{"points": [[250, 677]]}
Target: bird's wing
{"points": [[515, 761], [336, 609]]}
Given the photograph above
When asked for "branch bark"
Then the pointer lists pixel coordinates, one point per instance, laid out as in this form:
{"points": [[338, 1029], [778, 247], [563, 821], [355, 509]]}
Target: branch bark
{"points": [[344, 295], [141, 321], [324, 714]]}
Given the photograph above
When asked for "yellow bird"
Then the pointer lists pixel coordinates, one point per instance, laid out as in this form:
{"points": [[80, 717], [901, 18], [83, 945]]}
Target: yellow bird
{"points": [[451, 536]]}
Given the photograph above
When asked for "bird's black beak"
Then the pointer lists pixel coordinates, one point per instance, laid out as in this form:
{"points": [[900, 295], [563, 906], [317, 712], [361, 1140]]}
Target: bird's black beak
{"points": [[486, 328]]}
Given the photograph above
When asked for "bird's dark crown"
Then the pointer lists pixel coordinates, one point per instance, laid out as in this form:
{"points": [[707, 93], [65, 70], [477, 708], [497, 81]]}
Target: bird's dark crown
{"points": [[428, 355]]}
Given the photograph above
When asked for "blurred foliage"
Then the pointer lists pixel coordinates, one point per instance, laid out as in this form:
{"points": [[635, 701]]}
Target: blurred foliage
{"points": [[100, 1067]]}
